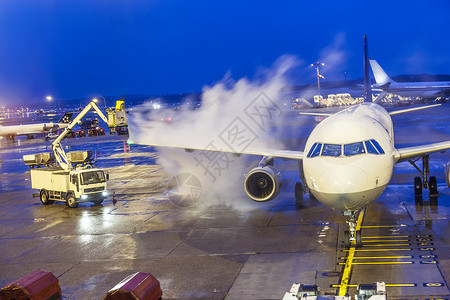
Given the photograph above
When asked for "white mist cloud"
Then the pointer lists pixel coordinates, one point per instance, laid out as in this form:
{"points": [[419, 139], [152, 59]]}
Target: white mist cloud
{"points": [[335, 58], [234, 116]]}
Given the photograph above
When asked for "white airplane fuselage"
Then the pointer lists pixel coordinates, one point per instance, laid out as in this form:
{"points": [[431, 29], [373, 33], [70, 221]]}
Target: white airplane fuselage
{"points": [[416, 89], [29, 129], [355, 175]]}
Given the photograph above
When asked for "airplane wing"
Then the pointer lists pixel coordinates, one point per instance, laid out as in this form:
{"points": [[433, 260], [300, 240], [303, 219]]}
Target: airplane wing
{"points": [[396, 112], [284, 154], [418, 151], [316, 114]]}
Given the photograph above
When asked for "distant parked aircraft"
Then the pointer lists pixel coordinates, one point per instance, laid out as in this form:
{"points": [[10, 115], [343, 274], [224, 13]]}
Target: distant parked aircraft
{"points": [[10, 132], [418, 89]]}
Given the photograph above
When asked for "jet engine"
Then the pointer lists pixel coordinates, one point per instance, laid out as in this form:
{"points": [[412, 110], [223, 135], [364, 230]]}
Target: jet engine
{"points": [[262, 183], [447, 174]]}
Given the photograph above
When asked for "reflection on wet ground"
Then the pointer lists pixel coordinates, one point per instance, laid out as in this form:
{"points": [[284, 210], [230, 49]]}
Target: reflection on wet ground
{"points": [[217, 251]]}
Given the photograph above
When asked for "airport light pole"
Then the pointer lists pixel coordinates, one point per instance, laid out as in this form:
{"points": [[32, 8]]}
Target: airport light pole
{"points": [[49, 99], [316, 66]]}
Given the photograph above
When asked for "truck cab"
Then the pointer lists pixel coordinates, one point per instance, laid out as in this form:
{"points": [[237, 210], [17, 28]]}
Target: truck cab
{"points": [[68, 177], [87, 185]]}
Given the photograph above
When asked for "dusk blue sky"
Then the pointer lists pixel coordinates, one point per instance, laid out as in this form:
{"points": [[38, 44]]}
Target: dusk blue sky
{"points": [[71, 49]]}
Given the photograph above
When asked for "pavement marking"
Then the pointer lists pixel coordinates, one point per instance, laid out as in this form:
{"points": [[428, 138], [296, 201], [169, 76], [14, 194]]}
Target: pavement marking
{"points": [[427, 249], [348, 263], [384, 241], [387, 285], [384, 245], [386, 237], [381, 257], [377, 250], [384, 226], [401, 285], [428, 256], [433, 284], [424, 262], [381, 263]]}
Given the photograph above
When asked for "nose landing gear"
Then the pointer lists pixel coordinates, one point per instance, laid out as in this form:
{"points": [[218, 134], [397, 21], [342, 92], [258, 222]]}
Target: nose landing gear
{"points": [[352, 235]]}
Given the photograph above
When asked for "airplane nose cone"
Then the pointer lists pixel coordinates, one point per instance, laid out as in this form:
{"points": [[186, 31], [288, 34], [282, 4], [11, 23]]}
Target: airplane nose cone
{"points": [[343, 180]]}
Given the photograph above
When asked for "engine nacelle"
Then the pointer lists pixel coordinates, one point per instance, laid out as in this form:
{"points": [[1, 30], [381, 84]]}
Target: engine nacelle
{"points": [[447, 174], [262, 183]]}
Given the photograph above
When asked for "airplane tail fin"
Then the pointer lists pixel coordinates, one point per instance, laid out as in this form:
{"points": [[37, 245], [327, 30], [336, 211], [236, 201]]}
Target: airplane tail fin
{"points": [[367, 86], [66, 118], [380, 75]]}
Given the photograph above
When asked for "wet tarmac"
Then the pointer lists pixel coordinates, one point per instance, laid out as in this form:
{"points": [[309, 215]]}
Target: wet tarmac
{"points": [[221, 251]]}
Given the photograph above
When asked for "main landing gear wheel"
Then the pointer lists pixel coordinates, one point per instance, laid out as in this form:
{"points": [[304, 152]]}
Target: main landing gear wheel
{"points": [[433, 186], [298, 191], [43, 195], [425, 182], [417, 186]]}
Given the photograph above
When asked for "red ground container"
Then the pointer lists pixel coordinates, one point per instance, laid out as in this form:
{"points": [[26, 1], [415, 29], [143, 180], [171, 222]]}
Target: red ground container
{"points": [[40, 285], [138, 286]]}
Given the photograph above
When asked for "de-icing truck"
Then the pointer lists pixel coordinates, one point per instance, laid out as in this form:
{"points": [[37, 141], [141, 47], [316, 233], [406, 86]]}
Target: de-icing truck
{"points": [[71, 179]]}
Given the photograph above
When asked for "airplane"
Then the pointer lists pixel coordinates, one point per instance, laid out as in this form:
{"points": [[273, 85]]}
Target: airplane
{"points": [[10, 132], [431, 89], [347, 162]]}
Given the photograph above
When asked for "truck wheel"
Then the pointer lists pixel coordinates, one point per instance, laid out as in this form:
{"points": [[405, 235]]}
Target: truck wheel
{"points": [[98, 202], [43, 195], [71, 202]]}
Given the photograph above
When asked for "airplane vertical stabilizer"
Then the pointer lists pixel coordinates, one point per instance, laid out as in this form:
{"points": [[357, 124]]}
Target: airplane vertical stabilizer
{"points": [[367, 87], [380, 75], [66, 118]]}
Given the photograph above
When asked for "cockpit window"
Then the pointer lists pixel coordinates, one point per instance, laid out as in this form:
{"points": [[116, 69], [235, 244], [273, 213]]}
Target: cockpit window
{"points": [[316, 151], [375, 143], [331, 150], [370, 148], [312, 149], [354, 149], [335, 150]]}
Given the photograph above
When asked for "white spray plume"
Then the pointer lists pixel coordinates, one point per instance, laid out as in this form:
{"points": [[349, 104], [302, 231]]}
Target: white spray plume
{"points": [[334, 57], [234, 116]]}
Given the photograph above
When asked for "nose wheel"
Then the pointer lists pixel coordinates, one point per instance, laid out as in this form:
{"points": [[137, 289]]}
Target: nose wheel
{"points": [[352, 235]]}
